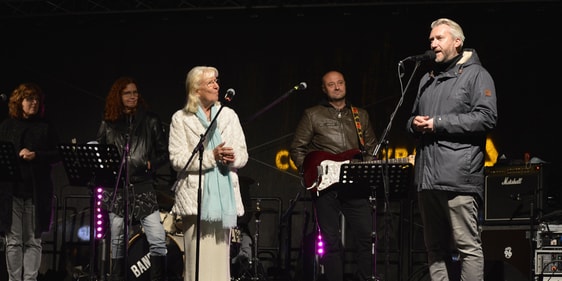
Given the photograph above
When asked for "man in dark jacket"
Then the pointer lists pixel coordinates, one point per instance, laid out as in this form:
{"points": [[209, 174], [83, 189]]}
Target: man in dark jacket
{"points": [[336, 129], [454, 110], [139, 135]]}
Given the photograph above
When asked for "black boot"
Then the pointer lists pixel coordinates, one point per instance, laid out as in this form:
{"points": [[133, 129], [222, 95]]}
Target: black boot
{"points": [[117, 270], [158, 268]]}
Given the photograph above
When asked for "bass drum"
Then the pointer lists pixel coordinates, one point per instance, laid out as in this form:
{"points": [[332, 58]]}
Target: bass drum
{"points": [[139, 258]]}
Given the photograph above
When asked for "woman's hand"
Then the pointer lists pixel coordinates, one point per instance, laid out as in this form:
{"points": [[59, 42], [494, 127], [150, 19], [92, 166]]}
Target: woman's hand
{"points": [[26, 154], [224, 154]]}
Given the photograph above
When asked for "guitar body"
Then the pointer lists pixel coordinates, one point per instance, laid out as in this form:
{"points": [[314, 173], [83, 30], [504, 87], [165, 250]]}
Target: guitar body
{"points": [[321, 169]]}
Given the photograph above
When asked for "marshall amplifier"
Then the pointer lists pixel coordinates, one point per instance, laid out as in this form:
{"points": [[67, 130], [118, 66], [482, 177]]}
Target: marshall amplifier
{"points": [[511, 191]]}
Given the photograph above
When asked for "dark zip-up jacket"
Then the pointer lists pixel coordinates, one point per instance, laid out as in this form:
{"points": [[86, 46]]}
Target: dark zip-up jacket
{"points": [[462, 102]]}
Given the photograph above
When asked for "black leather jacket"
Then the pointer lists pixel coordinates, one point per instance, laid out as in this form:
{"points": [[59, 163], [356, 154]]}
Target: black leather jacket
{"points": [[148, 142], [325, 128]]}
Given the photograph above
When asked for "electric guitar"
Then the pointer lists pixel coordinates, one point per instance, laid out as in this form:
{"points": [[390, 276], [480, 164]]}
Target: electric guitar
{"points": [[322, 169]]}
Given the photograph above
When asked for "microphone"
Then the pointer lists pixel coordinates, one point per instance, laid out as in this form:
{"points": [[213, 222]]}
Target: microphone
{"points": [[229, 94], [3, 97], [300, 86], [428, 55]]}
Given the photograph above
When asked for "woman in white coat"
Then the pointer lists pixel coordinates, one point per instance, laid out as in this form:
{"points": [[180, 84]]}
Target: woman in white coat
{"points": [[222, 153]]}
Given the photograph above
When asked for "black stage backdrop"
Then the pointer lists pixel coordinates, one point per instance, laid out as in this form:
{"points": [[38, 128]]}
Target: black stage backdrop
{"points": [[262, 53]]}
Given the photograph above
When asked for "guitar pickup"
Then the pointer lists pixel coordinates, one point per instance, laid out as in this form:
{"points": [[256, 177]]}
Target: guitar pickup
{"points": [[320, 171]]}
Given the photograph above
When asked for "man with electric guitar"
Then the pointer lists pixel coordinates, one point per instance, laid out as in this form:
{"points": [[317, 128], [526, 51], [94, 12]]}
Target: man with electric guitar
{"points": [[337, 131]]}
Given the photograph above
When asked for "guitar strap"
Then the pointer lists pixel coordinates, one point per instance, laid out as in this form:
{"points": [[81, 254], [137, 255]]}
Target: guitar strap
{"points": [[355, 112]]}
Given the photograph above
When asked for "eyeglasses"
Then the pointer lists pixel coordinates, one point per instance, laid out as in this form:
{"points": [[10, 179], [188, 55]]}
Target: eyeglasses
{"points": [[31, 98], [130, 93], [214, 81]]}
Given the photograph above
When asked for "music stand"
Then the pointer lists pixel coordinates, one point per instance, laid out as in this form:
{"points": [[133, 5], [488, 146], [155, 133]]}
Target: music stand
{"points": [[9, 168], [397, 173], [91, 165], [372, 174]]}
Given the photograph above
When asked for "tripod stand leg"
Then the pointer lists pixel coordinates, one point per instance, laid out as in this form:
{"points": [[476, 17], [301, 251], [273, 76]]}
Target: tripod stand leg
{"points": [[374, 237]]}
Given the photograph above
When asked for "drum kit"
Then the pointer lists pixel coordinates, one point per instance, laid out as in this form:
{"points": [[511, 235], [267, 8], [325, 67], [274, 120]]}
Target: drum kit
{"points": [[245, 262]]}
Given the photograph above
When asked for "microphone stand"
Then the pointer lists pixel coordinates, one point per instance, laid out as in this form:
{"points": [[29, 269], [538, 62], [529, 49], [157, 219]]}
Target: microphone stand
{"points": [[373, 202], [385, 156], [287, 221], [199, 148], [301, 86], [126, 182], [403, 93]]}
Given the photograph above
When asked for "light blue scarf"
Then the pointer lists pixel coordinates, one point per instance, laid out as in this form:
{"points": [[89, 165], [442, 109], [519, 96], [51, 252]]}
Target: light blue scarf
{"points": [[218, 202]]}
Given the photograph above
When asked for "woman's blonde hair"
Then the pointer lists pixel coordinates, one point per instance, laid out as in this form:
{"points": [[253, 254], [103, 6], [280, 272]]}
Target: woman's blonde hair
{"points": [[194, 81]]}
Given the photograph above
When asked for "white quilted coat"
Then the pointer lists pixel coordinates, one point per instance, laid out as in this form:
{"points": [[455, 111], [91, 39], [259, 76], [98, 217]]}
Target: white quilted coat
{"points": [[185, 134]]}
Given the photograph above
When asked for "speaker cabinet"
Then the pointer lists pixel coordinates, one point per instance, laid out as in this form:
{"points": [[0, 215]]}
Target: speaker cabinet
{"points": [[511, 191], [507, 253]]}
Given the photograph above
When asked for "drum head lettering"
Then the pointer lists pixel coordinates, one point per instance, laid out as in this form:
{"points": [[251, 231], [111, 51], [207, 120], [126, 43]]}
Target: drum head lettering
{"points": [[139, 258]]}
